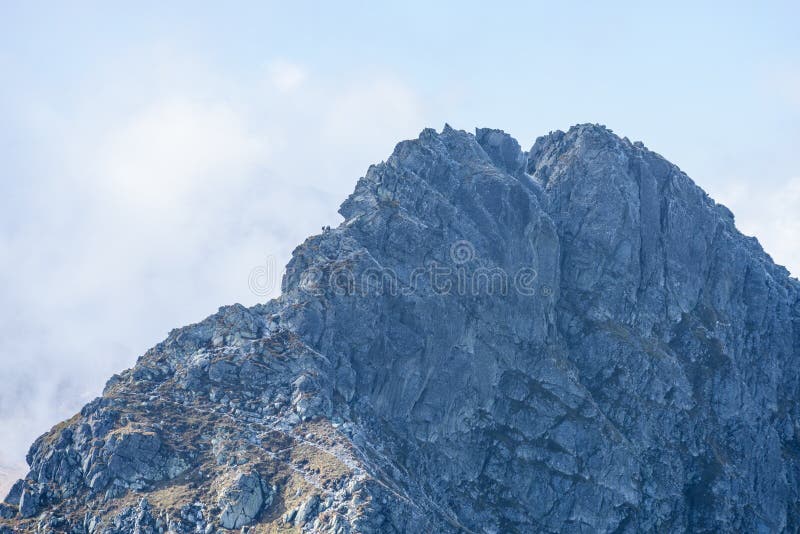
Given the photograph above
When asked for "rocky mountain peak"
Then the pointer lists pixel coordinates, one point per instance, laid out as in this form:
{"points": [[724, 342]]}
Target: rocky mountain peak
{"points": [[573, 338]]}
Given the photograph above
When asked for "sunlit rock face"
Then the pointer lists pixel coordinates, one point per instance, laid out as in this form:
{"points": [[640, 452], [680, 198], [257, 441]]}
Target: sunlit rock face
{"points": [[575, 338]]}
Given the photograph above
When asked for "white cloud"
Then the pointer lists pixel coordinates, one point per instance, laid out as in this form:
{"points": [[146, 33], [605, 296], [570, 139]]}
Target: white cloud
{"points": [[380, 107], [770, 214], [286, 76], [370, 117], [175, 149], [147, 207]]}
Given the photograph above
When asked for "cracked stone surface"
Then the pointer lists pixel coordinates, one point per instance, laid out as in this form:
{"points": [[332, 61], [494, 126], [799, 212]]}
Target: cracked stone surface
{"points": [[242, 501], [601, 350]]}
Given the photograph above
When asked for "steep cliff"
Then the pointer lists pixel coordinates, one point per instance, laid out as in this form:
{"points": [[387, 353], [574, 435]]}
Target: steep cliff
{"points": [[570, 339]]}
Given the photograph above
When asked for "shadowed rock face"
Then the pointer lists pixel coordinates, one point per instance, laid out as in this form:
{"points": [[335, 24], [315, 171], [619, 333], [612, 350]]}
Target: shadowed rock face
{"points": [[570, 339]]}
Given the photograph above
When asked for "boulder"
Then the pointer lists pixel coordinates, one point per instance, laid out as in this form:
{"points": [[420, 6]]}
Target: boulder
{"points": [[242, 500]]}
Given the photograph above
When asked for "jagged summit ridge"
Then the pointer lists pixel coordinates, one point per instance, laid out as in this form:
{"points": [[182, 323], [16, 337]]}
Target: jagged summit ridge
{"points": [[573, 338]]}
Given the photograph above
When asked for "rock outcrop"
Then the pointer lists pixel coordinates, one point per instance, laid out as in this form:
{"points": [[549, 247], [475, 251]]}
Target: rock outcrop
{"points": [[242, 501], [575, 338]]}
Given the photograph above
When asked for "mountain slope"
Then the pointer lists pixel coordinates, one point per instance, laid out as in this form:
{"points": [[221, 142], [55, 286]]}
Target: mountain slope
{"points": [[574, 338]]}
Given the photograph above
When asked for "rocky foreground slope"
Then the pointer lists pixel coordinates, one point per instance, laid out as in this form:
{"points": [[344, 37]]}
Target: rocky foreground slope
{"points": [[570, 339]]}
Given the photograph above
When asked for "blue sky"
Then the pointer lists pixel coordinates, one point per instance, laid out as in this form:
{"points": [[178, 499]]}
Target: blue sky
{"points": [[154, 154]]}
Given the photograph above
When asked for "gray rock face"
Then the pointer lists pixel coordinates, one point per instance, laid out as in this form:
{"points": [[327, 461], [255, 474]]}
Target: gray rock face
{"points": [[136, 457], [241, 502], [307, 510], [7, 511], [575, 338], [30, 502]]}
